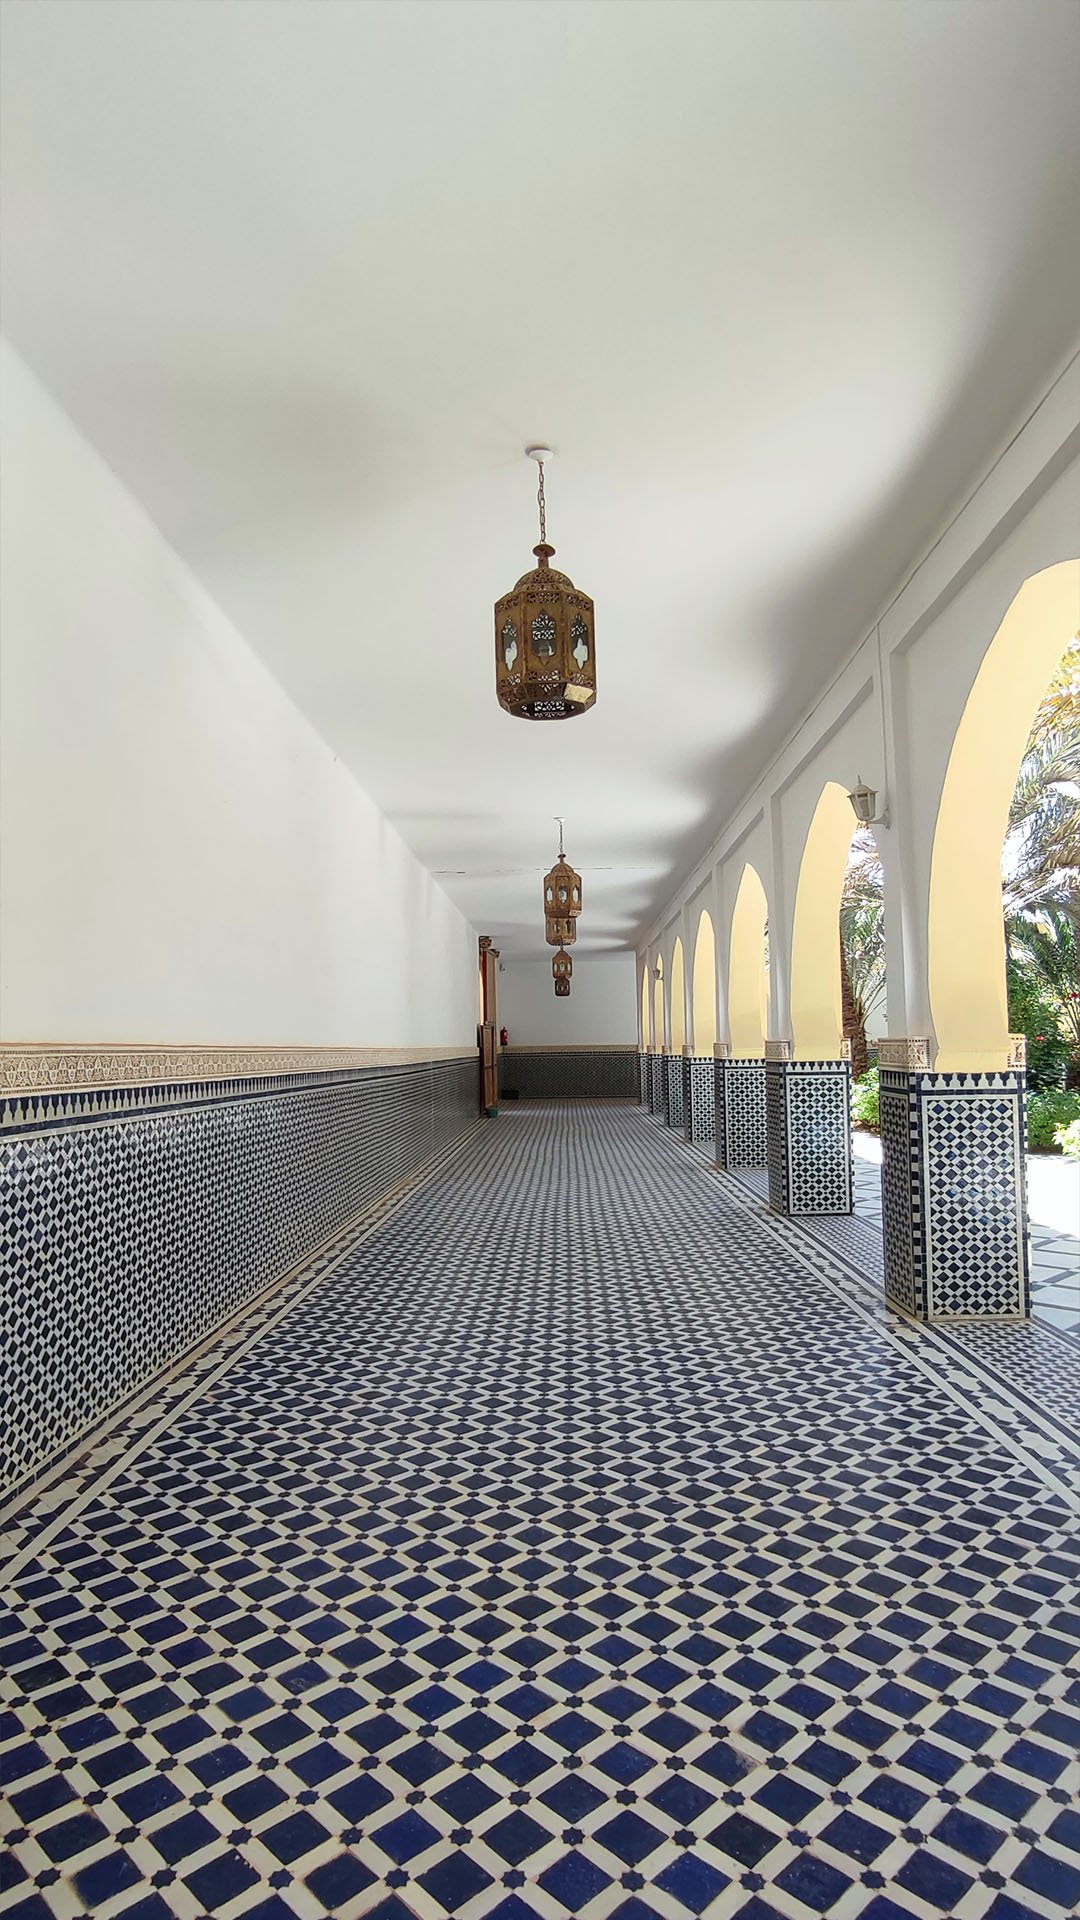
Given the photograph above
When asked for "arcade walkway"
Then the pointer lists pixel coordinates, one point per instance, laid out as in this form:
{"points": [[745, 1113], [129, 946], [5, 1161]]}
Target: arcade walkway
{"points": [[581, 1542]]}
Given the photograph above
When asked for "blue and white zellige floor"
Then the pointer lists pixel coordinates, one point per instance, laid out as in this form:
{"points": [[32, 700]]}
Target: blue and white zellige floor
{"points": [[578, 1544]]}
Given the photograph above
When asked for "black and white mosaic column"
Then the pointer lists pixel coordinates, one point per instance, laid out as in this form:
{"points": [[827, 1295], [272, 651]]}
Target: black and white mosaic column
{"points": [[739, 1093], [698, 1102], [673, 1092], [953, 1188], [808, 1114], [657, 1082], [645, 1073]]}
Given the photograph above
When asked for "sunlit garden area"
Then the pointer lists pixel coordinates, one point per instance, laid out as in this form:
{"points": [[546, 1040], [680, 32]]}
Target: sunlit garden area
{"points": [[1040, 891]]}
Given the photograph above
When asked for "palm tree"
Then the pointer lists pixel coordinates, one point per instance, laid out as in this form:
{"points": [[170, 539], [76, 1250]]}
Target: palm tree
{"points": [[1045, 945], [1041, 855], [862, 946]]}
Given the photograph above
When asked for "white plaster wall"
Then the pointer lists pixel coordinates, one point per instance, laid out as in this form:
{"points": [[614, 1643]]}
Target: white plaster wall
{"points": [[183, 859], [601, 1010]]}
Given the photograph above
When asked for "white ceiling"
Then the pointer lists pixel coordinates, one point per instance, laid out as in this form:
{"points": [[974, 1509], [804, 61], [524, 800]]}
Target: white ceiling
{"points": [[774, 278]]}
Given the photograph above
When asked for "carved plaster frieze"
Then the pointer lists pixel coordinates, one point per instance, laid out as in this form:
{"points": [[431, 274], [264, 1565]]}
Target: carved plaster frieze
{"points": [[54, 1069], [904, 1055], [778, 1049]]}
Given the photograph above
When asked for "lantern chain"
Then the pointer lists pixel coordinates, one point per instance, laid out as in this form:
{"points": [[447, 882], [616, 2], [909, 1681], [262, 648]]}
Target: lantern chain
{"points": [[542, 504]]}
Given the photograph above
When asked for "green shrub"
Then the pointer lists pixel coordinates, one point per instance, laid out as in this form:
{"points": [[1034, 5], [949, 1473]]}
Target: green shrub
{"points": [[1033, 1013], [1048, 1111], [864, 1099], [1068, 1139]]}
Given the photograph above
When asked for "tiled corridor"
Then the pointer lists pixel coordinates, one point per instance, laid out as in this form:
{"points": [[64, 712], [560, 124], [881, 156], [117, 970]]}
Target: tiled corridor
{"points": [[582, 1542]]}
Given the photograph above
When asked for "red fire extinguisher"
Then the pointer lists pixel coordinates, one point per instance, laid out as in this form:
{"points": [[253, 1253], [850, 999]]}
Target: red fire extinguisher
{"points": [[504, 1036]]}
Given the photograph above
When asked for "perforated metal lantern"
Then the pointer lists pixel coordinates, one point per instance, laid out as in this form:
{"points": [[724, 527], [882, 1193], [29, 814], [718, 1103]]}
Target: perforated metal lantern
{"points": [[559, 930], [562, 966], [545, 658], [562, 989], [562, 890]]}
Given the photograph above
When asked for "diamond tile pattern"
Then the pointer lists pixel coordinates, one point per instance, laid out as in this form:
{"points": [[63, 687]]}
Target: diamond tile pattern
{"points": [[953, 1189], [699, 1116], [570, 1548], [741, 1127], [808, 1104]]}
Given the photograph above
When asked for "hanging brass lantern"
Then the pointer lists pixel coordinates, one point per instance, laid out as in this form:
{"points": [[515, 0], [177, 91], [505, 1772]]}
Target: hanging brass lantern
{"points": [[562, 900], [562, 989], [559, 931], [562, 966], [545, 658]]}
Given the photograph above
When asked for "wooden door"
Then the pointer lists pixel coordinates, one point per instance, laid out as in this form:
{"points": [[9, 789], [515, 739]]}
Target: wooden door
{"points": [[487, 1032]]}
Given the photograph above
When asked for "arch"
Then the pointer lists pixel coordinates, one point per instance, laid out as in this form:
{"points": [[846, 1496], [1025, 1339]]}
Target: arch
{"points": [[658, 1005], [817, 1020], [645, 1006], [748, 980], [704, 985], [968, 999], [677, 998]]}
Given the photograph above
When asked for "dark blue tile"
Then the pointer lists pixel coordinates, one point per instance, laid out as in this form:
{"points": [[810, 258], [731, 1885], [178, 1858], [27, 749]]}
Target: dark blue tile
{"points": [[574, 1881], [1054, 1880], [1003, 1796], [516, 1837], [66, 1840], [339, 1881], [454, 1881], [358, 1799], [289, 1839], [964, 1833], [629, 1836], [106, 1878], [894, 1797], [723, 1763], [860, 1838], [44, 1797], [743, 1839], [818, 1885], [220, 1880], [693, 1882], [465, 1798], [402, 1839], [933, 1880], [787, 1798], [681, 1800]]}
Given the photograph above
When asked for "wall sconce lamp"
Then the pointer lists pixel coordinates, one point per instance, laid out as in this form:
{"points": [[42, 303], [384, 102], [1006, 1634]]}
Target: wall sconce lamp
{"points": [[863, 804]]}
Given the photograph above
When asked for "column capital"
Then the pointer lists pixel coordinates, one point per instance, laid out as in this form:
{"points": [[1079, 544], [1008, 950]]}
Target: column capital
{"points": [[778, 1049], [904, 1055]]}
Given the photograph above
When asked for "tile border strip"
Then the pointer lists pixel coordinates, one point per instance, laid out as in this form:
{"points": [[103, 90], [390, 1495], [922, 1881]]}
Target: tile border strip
{"points": [[59, 1066]]}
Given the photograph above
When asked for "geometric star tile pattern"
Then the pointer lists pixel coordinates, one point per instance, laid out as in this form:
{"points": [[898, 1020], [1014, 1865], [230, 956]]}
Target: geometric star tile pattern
{"points": [[572, 1547], [137, 1220]]}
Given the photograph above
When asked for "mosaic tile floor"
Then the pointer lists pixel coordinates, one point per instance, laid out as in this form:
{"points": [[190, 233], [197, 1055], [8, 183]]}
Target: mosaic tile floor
{"points": [[1055, 1254], [577, 1545]]}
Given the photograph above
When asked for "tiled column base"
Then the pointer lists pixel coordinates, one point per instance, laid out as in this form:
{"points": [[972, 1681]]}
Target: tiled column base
{"points": [[739, 1093], [953, 1190], [645, 1071], [697, 1100], [657, 1081], [673, 1105], [808, 1110]]}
